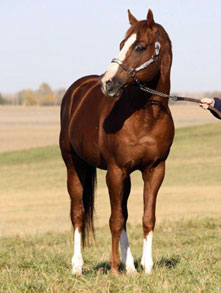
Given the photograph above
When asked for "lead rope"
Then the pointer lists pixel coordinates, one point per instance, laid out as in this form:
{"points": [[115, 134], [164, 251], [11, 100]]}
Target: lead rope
{"points": [[174, 98]]}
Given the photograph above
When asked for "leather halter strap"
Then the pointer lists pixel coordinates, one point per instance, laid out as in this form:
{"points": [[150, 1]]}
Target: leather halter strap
{"points": [[132, 71]]}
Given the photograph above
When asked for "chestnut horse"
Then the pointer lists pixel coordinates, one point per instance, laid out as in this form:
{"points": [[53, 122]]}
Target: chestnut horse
{"points": [[108, 122]]}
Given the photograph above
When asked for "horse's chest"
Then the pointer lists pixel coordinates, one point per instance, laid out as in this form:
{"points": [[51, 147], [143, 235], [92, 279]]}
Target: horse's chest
{"points": [[141, 146], [131, 151]]}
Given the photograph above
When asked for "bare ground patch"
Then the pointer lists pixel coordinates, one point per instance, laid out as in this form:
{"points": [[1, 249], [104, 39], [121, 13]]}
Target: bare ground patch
{"points": [[27, 127]]}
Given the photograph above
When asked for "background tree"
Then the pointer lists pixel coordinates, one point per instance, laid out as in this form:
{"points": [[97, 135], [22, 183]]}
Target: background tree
{"points": [[44, 89], [47, 100], [29, 98], [3, 101], [59, 96], [20, 97], [45, 95]]}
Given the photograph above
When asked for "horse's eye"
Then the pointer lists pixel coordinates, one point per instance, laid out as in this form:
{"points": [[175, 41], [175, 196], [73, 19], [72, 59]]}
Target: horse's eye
{"points": [[140, 48]]}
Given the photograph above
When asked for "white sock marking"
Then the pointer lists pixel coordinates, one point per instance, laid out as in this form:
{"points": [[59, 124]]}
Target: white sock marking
{"points": [[113, 68], [77, 260], [127, 258], [147, 261]]}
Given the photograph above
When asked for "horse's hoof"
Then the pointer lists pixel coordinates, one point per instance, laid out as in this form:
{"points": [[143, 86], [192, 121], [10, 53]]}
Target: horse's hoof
{"points": [[76, 271], [148, 271], [131, 271], [115, 271], [147, 267]]}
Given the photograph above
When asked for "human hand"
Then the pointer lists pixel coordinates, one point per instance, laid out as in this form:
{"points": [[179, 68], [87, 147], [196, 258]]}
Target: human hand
{"points": [[206, 102]]}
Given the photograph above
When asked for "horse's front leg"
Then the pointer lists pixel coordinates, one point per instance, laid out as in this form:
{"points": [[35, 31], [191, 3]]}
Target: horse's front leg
{"points": [[127, 258], [115, 181], [152, 182]]}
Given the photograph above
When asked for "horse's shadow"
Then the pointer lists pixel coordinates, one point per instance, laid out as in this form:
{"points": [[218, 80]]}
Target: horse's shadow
{"points": [[104, 267], [169, 263]]}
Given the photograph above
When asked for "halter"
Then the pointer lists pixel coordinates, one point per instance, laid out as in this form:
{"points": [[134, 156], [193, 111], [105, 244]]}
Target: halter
{"points": [[132, 71]]}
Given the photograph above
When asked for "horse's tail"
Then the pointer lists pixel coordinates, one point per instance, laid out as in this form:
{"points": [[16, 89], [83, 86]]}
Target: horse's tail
{"points": [[88, 201]]}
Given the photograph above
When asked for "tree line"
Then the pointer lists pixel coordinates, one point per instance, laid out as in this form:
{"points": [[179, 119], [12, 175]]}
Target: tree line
{"points": [[43, 96]]}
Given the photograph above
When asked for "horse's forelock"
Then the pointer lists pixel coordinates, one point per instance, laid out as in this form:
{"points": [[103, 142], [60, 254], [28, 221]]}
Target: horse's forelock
{"points": [[137, 28]]}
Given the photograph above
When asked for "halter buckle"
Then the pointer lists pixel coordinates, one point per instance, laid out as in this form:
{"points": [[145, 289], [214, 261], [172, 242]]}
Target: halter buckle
{"points": [[131, 72]]}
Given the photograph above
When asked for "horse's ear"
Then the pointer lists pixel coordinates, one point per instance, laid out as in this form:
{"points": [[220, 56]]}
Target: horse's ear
{"points": [[132, 19], [150, 19]]}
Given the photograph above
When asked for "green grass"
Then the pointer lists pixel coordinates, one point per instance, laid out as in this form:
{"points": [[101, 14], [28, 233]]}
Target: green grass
{"points": [[195, 157], [34, 155], [186, 259]]}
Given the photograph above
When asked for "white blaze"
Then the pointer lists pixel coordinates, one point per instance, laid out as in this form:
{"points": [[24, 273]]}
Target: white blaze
{"points": [[127, 258], [113, 68], [77, 260], [147, 261]]}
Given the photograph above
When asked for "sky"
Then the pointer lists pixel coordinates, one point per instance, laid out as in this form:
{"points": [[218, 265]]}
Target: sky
{"points": [[58, 41]]}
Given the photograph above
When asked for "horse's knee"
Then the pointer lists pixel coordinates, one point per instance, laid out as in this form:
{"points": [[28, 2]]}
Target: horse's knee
{"points": [[148, 224], [116, 224]]}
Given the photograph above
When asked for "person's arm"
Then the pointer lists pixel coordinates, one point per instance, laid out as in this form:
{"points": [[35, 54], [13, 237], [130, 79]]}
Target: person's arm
{"points": [[214, 102]]}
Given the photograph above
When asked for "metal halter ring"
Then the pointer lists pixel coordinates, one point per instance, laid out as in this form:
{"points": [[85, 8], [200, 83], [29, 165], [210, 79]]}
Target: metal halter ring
{"points": [[157, 48], [132, 72]]}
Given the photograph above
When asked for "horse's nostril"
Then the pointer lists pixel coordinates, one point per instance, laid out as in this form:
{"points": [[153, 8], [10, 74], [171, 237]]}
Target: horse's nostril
{"points": [[109, 85]]}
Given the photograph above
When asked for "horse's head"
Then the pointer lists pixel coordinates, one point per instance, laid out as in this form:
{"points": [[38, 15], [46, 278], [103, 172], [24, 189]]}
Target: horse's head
{"points": [[145, 51]]}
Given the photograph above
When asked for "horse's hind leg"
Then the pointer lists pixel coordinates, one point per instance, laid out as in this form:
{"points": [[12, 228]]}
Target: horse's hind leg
{"points": [[127, 258], [77, 175], [75, 190]]}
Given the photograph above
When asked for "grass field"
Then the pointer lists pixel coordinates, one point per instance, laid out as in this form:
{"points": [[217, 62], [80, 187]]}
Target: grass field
{"points": [[186, 256], [36, 242]]}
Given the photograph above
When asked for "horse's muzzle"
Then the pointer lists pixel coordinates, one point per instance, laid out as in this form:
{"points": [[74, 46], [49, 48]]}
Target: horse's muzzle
{"points": [[111, 87]]}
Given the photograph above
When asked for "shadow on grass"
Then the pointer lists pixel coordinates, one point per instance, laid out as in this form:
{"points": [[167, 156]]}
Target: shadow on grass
{"points": [[104, 267], [169, 263]]}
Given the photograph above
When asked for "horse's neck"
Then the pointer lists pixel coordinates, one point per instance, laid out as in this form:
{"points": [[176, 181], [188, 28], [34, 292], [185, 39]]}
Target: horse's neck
{"points": [[141, 98], [163, 86]]}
